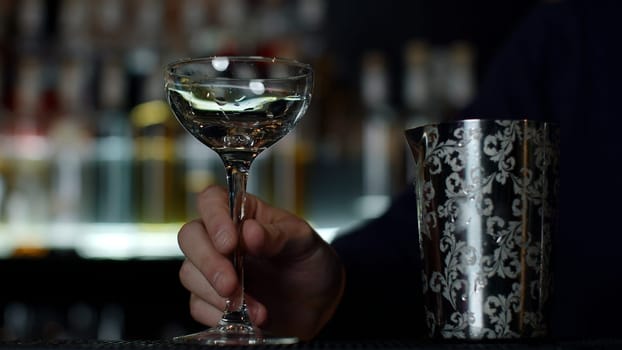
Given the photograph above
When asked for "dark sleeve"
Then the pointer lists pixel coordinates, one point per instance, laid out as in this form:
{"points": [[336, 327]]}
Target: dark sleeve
{"points": [[383, 282]]}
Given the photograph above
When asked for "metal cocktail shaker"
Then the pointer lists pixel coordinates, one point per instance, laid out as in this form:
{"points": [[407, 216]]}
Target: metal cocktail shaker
{"points": [[487, 195]]}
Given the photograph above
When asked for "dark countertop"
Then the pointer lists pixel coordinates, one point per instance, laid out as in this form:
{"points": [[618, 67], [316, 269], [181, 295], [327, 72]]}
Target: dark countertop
{"points": [[383, 345]]}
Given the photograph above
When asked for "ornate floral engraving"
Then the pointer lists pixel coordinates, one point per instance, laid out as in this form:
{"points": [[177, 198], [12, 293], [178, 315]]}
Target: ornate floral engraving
{"points": [[487, 194]]}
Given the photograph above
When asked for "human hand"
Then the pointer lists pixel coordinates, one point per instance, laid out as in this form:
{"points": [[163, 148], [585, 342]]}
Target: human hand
{"points": [[293, 278]]}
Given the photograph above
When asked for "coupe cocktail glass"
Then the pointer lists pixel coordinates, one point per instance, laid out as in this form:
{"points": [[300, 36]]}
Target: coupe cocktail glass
{"points": [[238, 107]]}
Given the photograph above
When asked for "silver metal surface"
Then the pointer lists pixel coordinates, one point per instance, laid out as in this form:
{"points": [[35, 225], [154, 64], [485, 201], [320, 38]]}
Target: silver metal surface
{"points": [[487, 207]]}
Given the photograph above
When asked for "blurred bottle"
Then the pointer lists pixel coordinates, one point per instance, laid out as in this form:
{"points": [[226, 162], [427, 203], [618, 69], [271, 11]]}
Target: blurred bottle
{"points": [[233, 21], [312, 14], [292, 154], [232, 15], [312, 17], [158, 189], [5, 139], [287, 179], [461, 77], [273, 25], [111, 322], [114, 149], [452, 79], [17, 321], [185, 20], [26, 207], [74, 30], [416, 95], [30, 18], [200, 34], [71, 143], [147, 23], [379, 135], [200, 167], [416, 92], [109, 24]]}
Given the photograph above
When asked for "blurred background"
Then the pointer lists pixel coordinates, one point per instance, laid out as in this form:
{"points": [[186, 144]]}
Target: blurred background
{"points": [[96, 176]]}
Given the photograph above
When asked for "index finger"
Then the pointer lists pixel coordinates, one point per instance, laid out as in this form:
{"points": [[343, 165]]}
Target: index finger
{"points": [[213, 207]]}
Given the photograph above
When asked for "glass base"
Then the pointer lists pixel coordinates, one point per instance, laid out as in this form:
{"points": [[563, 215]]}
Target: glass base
{"points": [[233, 335]]}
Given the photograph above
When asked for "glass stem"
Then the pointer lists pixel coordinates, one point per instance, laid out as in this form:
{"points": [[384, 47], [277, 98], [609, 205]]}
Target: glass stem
{"points": [[237, 176]]}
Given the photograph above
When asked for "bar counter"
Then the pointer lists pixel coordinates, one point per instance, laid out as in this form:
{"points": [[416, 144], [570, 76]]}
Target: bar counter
{"points": [[155, 308], [603, 344]]}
